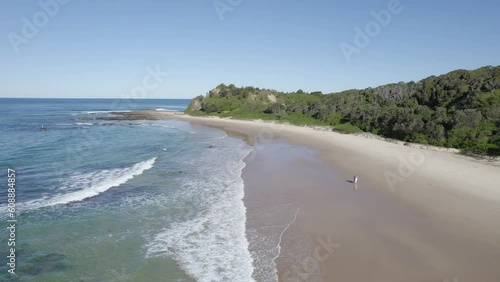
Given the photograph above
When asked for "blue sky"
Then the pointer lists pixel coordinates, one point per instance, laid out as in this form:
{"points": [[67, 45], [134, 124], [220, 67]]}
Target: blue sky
{"points": [[102, 48]]}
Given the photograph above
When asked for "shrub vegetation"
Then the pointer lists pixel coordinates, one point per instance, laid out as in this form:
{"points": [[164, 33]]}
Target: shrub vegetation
{"points": [[460, 109]]}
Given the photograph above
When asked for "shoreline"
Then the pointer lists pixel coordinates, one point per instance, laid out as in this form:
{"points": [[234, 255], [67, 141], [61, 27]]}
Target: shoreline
{"points": [[402, 163], [415, 213]]}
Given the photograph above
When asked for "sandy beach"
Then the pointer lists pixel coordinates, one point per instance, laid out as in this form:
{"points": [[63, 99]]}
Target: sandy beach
{"points": [[416, 214]]}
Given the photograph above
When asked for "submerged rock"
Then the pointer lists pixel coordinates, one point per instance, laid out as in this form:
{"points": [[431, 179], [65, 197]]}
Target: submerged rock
{"points": [[45, 263]]}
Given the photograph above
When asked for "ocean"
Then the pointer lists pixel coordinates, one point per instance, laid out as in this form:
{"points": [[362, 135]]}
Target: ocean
{"points": [[101, 200]]}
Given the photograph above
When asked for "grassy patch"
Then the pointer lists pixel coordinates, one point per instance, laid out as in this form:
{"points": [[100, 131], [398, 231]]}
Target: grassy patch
{"points": [[347, 128]]}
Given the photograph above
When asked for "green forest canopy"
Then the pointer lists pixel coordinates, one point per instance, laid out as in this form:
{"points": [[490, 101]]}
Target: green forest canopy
{"points": [[460, 109]]}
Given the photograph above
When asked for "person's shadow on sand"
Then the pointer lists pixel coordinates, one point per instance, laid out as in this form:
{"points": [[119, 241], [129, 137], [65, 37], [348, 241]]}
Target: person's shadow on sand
{"points": [[354, 184]]}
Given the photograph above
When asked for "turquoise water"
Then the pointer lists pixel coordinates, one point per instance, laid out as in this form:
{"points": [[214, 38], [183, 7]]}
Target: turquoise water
{"points": [[121, 200]]}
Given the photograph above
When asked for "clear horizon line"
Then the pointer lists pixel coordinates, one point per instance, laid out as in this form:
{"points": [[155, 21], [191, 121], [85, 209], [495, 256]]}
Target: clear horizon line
{"points": [[80, 98]]}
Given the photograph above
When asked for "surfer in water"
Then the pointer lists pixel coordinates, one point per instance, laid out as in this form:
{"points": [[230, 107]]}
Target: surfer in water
{"points": [[42, 128]]}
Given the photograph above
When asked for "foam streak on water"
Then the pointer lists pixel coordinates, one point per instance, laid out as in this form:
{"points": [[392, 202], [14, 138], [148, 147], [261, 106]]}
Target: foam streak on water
{"points": [[212, 246], [281, 236], [88, 185]]}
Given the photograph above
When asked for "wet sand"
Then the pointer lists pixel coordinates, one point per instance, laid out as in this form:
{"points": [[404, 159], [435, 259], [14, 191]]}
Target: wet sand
{"points": [[415, 214], [360, 234]]}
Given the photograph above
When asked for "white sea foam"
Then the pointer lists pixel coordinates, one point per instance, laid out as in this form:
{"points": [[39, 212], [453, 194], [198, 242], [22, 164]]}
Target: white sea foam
{"points": [[165, 110], [268, 228], [83, 123], [105, 112], [83, 186], [281, 237], [212, 246], [223, 136]]}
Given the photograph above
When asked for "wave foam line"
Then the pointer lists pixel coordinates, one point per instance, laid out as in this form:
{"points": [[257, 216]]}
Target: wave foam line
{"points": [[281, 236], [211, 245], [165, 110], [93, 184], [105, 112]]}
